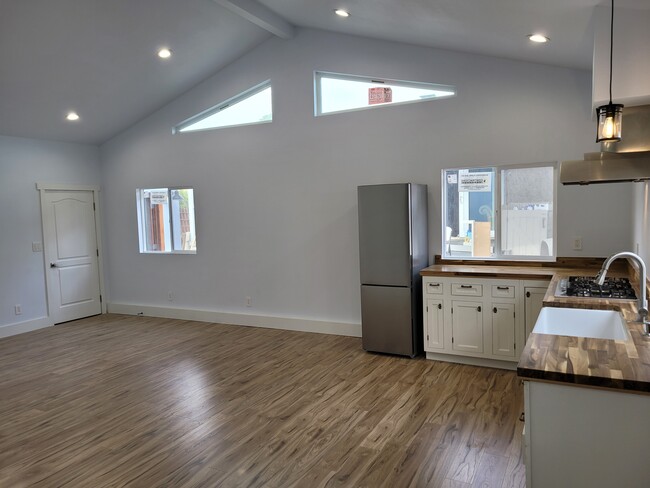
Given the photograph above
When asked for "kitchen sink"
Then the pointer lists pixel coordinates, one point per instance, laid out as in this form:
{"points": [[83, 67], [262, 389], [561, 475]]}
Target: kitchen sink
{"points": [[579, 322]]}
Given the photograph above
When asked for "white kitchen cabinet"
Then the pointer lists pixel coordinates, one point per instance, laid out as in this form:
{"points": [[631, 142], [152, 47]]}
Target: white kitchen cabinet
{"points": [[504, 327], [592, 437], [476, 320], [533, 303], [467, 326], [434, 323]]}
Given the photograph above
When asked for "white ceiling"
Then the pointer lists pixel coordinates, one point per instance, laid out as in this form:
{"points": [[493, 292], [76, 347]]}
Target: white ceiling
{"points": [[98, 56]]}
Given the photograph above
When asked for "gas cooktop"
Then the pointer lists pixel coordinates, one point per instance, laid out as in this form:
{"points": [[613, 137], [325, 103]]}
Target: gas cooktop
{"points": [[586, 287]]}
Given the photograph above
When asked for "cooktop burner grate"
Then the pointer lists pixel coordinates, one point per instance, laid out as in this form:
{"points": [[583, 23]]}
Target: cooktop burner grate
{"points": [[585, 286]]}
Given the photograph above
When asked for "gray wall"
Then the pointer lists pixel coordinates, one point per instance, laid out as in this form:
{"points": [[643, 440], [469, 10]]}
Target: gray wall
{"points": [[23, 162], [276, 203]]}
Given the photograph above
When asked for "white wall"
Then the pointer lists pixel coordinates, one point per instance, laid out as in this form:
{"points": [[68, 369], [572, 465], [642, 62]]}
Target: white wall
{"points": [[276, 203], [23, 162], [641, 226], [631, 61]]}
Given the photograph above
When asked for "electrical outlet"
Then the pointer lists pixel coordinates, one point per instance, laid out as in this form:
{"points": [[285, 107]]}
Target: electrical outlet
{"points": [[577, 243], [18, 309], [249, 302], [170, 296]]}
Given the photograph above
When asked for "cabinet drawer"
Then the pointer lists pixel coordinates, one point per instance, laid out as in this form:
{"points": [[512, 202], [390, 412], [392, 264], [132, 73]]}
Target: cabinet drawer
{"points": [[467, 290], [503, 291], [433, 287]]}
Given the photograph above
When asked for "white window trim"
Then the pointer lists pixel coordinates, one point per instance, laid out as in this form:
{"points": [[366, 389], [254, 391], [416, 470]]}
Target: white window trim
{"points": [[318, 112], [141, 238], [498, 256], [223, 105]]}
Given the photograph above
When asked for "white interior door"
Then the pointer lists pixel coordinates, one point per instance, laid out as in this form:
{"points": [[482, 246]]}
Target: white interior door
{"points": [[71, 254]]}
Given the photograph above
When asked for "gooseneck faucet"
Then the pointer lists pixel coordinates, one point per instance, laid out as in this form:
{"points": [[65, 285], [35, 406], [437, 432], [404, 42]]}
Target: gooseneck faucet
{"points": [[643, 301]]}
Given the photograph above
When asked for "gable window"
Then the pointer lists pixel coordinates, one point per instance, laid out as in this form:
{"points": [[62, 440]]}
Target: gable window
{"points": [[503, 212], [254, 106], [341, 93], [166, 222]]}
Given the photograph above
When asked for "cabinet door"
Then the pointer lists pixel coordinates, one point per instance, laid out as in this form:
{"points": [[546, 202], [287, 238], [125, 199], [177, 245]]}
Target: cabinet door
{"points": [[467, 326], [503, 329], [534, 297], [434, 324]]}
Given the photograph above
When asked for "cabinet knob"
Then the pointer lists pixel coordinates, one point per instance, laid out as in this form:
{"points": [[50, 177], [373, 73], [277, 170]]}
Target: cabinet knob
{"points": [[494, 310], [439, 306], [478, 309], [527, 294]]}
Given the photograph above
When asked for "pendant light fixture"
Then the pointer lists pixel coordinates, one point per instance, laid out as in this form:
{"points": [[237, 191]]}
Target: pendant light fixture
{"points": [[610, 116]]}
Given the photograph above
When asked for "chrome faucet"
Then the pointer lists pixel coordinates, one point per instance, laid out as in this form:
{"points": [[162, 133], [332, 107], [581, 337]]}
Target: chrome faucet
{"points": [[643, 301]]}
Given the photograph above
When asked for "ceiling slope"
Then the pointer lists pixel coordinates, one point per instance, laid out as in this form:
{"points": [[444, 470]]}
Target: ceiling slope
{"points": [[98, 58]]}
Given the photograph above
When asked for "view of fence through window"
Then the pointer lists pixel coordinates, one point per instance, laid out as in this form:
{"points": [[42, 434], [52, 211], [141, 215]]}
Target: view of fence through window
{"points": [[166, 220], [525, 224]]}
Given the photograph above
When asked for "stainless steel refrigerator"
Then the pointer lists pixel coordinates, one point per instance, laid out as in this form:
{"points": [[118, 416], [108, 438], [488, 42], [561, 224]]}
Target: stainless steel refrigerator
{"points": [[393, 248]]}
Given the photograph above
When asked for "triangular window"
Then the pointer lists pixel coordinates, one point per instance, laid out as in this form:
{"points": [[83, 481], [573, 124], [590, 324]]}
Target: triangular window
{"points": [[341, 93], [254, 106]]}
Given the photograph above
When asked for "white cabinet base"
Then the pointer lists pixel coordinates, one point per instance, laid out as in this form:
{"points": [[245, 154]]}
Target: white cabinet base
{"points": [[476, 320], [472, 361], [587, 437]]}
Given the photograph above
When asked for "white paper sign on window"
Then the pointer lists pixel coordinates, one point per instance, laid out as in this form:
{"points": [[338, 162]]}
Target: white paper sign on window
{"points": [[475, 182], [158, 197]]}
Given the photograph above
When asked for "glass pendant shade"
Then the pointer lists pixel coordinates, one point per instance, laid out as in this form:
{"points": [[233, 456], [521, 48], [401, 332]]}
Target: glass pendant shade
{"points": [[610, 120]]}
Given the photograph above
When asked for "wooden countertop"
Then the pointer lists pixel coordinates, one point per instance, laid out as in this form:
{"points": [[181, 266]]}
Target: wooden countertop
{"points": [[494, 271], [601, 363]]}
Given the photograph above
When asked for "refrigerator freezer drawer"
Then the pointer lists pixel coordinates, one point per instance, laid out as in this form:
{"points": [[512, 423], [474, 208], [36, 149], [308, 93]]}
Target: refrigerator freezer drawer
{"points": [[386, 321]]}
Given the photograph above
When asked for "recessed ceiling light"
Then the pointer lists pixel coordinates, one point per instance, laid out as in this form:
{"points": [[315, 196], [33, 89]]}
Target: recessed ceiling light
{"points": [[342, 13], [539, 38], [164, 53], [72, 116]]}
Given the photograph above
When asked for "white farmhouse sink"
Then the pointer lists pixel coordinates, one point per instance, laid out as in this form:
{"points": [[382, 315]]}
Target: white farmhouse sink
{"points": [[578, 322]]}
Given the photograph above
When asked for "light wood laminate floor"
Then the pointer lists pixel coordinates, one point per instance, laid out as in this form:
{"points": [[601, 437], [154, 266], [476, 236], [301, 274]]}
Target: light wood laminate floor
{"points": [[116, 400]]}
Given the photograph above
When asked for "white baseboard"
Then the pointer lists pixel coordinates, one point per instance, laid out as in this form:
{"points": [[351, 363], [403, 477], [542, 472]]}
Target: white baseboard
{"points": [[266, 321], [27, 326]]}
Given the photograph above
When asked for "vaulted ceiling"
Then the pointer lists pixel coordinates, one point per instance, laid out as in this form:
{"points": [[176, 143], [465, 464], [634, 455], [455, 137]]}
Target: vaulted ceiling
{"points": [[98, 57]]}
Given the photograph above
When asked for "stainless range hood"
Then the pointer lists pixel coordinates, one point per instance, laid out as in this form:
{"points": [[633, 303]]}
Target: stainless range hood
{"points": [[628, 160]]}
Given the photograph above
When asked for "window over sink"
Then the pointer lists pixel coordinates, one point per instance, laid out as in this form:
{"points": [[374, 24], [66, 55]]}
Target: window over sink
{"points": [[499, 212]]}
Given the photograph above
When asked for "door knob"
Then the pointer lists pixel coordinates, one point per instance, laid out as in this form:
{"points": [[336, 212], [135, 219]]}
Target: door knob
{"points": [[53, 265]]}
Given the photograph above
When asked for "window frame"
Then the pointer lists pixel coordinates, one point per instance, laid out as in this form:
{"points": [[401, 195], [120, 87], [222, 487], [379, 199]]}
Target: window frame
{"points": [[142, 239], [318, 105], [240, 97], [498, 252]]}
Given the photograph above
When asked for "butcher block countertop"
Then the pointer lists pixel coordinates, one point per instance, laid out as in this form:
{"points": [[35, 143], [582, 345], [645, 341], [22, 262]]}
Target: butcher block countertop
{"points": [[601, 363]]}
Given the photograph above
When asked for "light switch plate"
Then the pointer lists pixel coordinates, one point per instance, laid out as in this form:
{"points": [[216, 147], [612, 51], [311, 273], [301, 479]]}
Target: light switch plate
{"points": [[37, 246]]}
